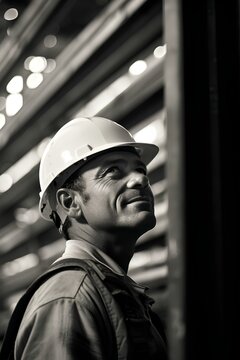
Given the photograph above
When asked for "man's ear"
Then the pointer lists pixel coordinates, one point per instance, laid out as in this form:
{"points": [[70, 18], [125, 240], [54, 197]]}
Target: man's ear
{"points": [[68, 199]]}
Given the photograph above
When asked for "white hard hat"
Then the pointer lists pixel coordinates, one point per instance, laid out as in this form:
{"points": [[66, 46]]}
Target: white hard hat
{"points": [[72, 145]]}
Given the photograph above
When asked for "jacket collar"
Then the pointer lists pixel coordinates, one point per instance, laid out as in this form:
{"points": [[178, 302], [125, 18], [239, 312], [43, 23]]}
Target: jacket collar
{"points": [[81, 249]]}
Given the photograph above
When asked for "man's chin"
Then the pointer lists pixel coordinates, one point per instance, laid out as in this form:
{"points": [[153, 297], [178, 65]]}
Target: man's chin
{"points": [[147, 221], [137, 223]]}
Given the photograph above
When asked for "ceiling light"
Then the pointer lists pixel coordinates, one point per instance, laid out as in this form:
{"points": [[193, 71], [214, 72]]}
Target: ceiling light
{"points": [[27, 216], [15, 85], [51, 65], [160, 51], [20, 264], [138, 67], [50, 41], [115, 89], [34, 80], [14, 103], [105, 97], [154, 132], [2, 120], [37, 64], [6, 182], [11, 14], [147, 134], [27, 62]]}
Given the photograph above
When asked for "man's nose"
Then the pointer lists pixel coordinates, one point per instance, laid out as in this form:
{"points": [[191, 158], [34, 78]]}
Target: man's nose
{"points": [[137, 180]]}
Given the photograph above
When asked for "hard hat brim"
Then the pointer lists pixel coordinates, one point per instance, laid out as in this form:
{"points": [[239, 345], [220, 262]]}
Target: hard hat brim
{"points": [[146, 151]]}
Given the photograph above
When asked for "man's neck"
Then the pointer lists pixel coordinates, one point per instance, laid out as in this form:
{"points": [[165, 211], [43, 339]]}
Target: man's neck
{"points": [[118, 246]]}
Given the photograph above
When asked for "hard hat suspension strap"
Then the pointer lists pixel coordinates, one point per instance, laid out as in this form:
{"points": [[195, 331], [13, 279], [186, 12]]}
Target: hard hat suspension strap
{"points": [[57, 221]]}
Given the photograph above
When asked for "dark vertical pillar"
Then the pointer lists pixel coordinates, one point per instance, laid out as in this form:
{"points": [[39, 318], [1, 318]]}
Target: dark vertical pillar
{"points": [[203, 184], [209, 55], [228, 72]]}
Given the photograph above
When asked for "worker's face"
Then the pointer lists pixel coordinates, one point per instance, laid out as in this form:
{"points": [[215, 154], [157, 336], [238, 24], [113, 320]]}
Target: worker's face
{"points": [[117, 194]]}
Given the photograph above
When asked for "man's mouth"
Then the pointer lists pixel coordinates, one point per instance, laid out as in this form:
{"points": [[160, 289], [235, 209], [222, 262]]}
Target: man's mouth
{"points": [[138, 198]]}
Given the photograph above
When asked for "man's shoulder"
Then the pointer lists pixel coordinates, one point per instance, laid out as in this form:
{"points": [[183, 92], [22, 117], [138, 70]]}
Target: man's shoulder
{"points": [[64, 284]]}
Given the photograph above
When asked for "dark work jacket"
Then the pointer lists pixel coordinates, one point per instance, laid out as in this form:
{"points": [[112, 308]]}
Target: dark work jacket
{"points": [[66, 319]]}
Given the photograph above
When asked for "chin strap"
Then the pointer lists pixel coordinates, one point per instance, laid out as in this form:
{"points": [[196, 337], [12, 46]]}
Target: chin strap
{"points": [[58, 215], [57, 221]]}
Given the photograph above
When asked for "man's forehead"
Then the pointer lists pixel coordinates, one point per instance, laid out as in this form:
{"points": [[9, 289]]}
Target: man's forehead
{"points": [[113, 156]]}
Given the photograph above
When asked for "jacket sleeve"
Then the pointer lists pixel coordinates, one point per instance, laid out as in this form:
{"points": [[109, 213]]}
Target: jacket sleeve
{"points": [[65, 329]]}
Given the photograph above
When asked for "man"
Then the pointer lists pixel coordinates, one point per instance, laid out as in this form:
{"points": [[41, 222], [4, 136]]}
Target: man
{"points": [[94, 186]]}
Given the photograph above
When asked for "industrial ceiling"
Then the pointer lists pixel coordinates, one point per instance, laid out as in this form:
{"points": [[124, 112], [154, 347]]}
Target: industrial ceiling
{"points": [[58, 60]]}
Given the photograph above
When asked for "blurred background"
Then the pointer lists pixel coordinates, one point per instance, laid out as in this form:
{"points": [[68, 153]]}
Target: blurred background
{"points": [[169, 71], [59, 60]]}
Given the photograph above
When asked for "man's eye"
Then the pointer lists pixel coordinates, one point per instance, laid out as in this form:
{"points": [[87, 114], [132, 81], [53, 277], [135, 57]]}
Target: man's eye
{"points": [[142, 171], [112, 170]]}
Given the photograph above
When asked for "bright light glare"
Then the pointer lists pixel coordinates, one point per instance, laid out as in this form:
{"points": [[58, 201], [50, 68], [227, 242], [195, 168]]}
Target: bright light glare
{"points": [[18, 265], [105, 97], [67, 156], [138, 67], [154, 132], [14, 103], [51, 65], [15, 85], [11, 14], [42, 146], [2, 121], [21, 167], [147, 134], [27, 62], [144, 258], [34, 80], [110, 93], [6, 182], [27, 216], [24, 165], [50, 41], [37, 64], [160, 51]]}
